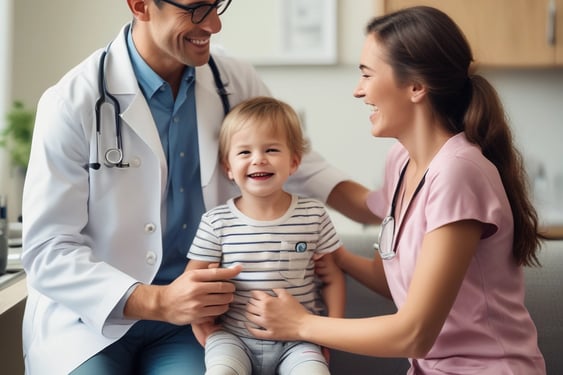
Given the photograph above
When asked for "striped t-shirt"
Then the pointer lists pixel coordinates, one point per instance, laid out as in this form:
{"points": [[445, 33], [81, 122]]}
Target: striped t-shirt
{"points": [[274, 254]]}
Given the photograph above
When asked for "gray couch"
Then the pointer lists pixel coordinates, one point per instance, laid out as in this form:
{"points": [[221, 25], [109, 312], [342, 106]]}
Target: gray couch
{"points": [[544, 299]]}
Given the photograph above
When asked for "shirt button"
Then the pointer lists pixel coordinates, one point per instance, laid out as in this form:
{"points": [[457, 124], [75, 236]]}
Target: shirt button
{"points": [[181, 190], [150, 258], [184, 226], [176, 120], [182, 154], [150, 228]]}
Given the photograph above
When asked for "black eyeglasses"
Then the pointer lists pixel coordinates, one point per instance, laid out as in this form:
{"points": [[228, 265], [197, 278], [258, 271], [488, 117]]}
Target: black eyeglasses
{"points": [[200, 11]]}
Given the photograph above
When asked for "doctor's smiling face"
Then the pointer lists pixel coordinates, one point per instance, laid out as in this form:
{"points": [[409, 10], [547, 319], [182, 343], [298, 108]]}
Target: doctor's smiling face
{"points": [[170, 34]]}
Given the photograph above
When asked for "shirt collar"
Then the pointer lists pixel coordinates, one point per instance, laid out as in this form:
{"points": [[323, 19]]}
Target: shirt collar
{"points": [[149, 81]]}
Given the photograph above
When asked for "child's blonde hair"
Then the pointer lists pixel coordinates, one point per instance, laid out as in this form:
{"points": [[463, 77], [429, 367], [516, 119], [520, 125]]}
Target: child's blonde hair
{"points": [[264, 111]]}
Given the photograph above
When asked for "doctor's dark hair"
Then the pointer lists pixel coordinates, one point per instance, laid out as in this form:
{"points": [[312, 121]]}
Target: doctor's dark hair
{"points": [[423, 45], [264, 111]]}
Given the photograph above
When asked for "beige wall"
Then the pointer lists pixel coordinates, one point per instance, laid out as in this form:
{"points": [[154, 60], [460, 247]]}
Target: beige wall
{"points": [[52, 36]]}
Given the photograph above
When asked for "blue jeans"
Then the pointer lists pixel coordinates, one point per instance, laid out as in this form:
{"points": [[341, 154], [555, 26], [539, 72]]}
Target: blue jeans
{"points": [[151, 348]]}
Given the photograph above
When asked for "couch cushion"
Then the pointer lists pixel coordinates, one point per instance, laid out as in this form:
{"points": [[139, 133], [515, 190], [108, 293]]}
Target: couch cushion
{"points": [[544, 299]]}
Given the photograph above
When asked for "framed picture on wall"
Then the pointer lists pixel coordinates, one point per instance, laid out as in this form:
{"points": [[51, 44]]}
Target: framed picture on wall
{"points": [[309, 31], [281, 32]]}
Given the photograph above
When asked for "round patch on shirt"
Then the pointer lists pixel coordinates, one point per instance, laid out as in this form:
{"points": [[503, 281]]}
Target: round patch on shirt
{"points": [[301, 247]]}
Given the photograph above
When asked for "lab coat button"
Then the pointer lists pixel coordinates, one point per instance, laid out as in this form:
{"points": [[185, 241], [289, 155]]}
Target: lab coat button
{"points": [[151, 258], [135, 162], [150, 228]]}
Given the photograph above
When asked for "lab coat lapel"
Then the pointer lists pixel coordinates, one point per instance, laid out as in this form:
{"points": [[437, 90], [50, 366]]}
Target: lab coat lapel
{"points": [[139, 117], [136, 114], [209, 118]]}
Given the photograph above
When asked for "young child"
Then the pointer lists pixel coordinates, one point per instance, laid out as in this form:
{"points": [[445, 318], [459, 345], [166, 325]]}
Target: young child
{"points": [[275, 235]]}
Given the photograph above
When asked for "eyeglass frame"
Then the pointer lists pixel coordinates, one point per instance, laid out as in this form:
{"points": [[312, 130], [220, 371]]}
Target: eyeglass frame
{"points": [[192, 8], [389, 220]]}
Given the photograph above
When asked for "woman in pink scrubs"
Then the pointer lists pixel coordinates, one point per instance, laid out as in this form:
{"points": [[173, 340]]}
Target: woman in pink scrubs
{"points": [[457, 224]]}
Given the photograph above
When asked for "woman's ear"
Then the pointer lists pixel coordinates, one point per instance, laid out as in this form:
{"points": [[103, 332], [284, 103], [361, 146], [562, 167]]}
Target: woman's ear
{"points": [[418, 92]]}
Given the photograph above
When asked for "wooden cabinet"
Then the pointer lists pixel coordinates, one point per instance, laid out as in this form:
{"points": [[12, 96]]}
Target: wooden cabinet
{"points": [[505, 33]]}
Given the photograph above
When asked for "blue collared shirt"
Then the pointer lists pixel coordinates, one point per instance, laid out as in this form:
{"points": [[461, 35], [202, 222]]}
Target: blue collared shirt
{"points": [[176, 121]]}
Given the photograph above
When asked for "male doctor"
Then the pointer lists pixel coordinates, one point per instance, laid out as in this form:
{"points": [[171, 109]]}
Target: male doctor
{"points": [[113, 197]]}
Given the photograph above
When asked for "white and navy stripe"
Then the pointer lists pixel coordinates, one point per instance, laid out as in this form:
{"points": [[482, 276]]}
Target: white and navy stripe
{"points": [[274, 254]]}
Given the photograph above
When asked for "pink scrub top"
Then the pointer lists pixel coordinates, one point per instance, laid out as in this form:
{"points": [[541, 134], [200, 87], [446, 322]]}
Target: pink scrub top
{"points": [[489, 330]]}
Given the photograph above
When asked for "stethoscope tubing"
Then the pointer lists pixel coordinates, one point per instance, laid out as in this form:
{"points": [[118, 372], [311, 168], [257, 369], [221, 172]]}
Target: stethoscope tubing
{"points": [[113, 156]]}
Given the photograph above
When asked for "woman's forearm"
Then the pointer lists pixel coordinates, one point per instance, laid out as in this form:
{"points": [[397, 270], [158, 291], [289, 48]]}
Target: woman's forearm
{"points": [[368, 272], [349, 198], [382, 336]]}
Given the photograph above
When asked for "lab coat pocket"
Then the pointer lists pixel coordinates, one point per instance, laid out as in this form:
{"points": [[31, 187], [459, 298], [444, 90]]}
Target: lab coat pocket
{"points": [[295, 260]]}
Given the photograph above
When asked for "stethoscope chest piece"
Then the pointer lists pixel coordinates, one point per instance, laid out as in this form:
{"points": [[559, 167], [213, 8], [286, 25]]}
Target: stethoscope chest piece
{"points": [[114, 157]]}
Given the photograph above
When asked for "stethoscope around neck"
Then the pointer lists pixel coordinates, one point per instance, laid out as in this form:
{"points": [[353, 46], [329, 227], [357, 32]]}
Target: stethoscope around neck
{"points": [[113, 156]]}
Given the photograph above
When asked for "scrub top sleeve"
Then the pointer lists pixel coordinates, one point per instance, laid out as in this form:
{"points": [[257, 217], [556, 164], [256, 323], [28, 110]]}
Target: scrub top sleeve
{"points": [[463, 191], [378, 203]]}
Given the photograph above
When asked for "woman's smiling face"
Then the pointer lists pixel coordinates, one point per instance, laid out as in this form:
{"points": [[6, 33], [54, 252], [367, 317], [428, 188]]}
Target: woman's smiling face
{"points": [[390, 102]]}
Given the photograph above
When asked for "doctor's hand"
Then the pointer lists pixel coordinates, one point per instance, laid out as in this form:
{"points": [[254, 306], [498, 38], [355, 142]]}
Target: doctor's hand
{"points": [[194, 295], [281, 317], [203, 328]]}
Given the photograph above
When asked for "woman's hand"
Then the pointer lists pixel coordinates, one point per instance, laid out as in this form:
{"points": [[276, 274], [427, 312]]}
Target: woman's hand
{"points": [[281, 317]]}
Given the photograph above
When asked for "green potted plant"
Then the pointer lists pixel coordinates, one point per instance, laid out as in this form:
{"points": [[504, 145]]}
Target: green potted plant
{"points": [[16, 136]]}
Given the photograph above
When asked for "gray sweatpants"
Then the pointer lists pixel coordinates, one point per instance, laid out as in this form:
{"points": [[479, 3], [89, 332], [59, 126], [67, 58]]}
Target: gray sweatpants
{"points": [[228, 354]]}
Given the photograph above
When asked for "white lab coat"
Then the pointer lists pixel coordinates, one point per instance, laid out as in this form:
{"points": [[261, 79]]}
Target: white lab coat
{"points": [[89, 235]]}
